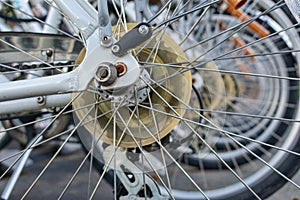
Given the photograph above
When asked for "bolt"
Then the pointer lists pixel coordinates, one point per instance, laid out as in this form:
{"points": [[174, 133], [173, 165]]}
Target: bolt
{"points": [[115, 48], [143, 29], [106, 74], [47, 52], [103, 72], [121, 68], [40, 100], [106, 41]]}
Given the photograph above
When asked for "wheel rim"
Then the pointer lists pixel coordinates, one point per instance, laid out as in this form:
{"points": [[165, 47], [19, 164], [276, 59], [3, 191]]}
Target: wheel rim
{"points": [[169, 122]]}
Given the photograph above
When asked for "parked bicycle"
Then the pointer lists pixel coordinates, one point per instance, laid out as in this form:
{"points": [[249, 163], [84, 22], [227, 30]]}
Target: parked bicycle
{"points": [[166, 100]]}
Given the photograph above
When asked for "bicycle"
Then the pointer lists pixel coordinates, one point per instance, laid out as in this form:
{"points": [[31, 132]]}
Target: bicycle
{"points": [[217, 93]]}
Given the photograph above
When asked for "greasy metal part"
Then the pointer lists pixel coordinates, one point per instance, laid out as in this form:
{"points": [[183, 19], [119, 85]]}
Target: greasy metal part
{"points": [[105, 31], [237, 3], [138, 179], [132, 39], [128, 93]]}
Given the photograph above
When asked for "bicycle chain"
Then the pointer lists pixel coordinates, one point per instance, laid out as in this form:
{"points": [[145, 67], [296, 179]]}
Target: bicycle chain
{"points": [[20, 67]]}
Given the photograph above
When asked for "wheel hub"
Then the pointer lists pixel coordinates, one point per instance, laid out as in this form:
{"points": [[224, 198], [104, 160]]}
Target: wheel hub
{"points": [[144, 111]]}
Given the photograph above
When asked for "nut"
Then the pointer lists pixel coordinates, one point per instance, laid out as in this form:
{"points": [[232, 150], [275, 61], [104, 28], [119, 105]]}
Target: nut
{"points": [[143, 29], [121, 68], [106, 74]]}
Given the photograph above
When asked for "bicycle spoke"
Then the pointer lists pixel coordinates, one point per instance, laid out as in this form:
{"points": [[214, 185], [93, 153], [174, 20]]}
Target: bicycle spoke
{"points": [[214, 152], [54, 156], [39, 135], [214, 92], [89, 154], [38, 20]]}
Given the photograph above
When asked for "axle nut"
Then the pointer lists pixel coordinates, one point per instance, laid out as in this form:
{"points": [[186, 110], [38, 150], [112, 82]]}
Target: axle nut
{"points": [[106, 74]]}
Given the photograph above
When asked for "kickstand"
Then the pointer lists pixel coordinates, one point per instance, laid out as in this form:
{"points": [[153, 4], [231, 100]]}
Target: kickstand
{"points": [[18, 169]]}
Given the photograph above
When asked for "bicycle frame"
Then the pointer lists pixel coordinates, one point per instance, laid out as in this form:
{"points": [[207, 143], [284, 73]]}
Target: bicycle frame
{"points": [[84, 16], [35, 93]]}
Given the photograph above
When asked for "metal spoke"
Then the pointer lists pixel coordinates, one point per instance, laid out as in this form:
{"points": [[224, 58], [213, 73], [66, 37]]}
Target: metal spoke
{"points": [[198, 113], [174, 18], [26, 53], [40, 134], [194, 25], [276, 6], [56, 154], [204, 142], [89, 154], [115, 145], [199, 67], [223, 131], [40, 21], [165, 150]]}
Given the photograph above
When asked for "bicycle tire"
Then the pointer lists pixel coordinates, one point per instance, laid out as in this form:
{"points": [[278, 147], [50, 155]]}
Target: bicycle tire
{"points": [[265, 82]]}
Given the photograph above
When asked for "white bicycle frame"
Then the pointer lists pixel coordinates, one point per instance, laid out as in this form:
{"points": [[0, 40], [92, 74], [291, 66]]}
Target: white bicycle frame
{"points": [[84, 17], [57, 89]]}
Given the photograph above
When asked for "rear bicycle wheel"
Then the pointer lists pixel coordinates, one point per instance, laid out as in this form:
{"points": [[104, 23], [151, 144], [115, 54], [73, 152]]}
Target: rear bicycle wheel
{"points": [[263, 98], [240, 123]]}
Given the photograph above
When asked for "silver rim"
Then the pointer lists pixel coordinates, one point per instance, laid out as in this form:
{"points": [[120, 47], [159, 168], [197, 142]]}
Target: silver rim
{"points": [[241, 107]]}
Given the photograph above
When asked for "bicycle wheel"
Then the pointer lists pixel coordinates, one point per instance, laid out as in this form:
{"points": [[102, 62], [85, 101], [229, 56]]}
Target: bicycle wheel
{"points": [[212, 114], [238, 88]]}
